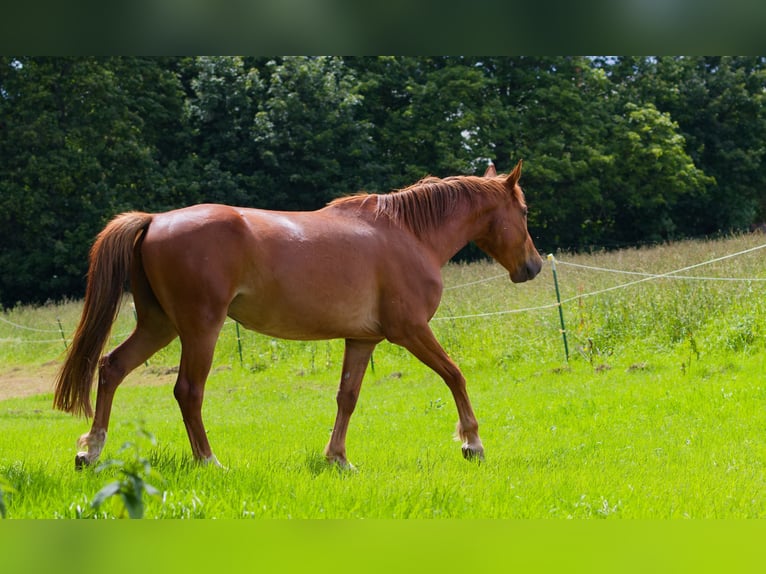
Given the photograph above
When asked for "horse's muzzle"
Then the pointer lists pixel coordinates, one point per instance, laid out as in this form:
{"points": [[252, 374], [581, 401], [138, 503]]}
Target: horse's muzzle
{"points": [[528, 271]]}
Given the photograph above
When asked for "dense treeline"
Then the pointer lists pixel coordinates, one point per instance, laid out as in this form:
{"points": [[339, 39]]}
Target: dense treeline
{"points": [[617, 150]]}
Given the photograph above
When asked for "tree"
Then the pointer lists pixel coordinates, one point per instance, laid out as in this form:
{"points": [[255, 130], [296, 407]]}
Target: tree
{"points": [[428, 116], [653, 179], [310, 137], [555, 116], [72, 154], [220, 110], [718, 105]]}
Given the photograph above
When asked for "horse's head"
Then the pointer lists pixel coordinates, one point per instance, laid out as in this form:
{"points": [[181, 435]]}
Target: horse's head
{"points": [[506, 238]]}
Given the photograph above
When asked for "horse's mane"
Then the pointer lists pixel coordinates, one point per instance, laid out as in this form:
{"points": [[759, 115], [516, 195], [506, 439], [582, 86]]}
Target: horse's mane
{"points": [[427, 203]]}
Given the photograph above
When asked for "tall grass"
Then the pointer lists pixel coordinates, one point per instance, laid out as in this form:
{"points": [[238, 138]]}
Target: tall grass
{"points": [[657, 414]]}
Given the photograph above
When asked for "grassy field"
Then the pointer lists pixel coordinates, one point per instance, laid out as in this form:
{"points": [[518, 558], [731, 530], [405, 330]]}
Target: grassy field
{"points": [[658, 413]]}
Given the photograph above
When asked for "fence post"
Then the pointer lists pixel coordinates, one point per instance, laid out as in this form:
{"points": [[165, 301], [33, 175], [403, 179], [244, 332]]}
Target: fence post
{"points": [[63, 337], [239, 344], [552, 259]]}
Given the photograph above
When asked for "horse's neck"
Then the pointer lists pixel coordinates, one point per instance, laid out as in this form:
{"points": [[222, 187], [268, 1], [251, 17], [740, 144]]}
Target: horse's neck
{"points": [[446, 239]]}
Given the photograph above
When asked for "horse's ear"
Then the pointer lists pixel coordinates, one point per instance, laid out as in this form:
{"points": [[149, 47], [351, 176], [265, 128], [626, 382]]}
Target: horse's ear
{"points": [[514, 176], [490, 170]]}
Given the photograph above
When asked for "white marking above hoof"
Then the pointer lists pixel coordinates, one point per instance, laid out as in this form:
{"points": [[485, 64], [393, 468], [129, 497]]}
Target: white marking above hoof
{"points": [[212, 460]]}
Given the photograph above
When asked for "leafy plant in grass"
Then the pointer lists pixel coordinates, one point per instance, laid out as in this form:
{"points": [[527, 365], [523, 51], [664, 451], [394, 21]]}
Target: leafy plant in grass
{"points": [[134, 470], [4, 488]]}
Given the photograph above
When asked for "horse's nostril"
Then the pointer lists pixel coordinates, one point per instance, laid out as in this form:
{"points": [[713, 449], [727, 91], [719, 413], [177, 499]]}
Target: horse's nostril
{"points": [[532, 267]]}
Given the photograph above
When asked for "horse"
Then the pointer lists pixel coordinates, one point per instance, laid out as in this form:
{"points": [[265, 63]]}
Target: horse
{"points": [[364, 268]]}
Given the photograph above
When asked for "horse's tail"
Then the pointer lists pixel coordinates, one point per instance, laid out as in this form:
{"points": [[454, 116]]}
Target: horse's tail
{"points": [[110, 260]]}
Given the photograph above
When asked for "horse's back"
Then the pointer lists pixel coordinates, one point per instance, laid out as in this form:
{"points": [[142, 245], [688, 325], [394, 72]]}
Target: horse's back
{"points": [[298, 275]]}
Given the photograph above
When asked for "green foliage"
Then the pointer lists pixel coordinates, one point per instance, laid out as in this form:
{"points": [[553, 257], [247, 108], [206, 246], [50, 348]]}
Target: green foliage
{"points": [[5, 488], [559, 126], [309, 133], [658, 177], [75, 149], [134, 469], [718, 105]]}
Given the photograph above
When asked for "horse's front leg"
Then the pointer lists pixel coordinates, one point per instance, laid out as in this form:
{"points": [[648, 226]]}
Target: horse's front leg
{"points": [[422, 343], [355, 359]]}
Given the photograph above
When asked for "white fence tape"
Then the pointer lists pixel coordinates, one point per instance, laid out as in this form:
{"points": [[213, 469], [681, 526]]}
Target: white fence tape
{"points": [[645, 277]]}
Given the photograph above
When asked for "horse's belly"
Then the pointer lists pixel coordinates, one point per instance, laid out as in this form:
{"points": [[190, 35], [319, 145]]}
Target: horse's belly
{"points": [[309, 318]]}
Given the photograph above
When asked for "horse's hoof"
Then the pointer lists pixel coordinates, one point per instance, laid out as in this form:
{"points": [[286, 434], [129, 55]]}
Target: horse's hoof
{"points": [[81, 461], [471, 453], [341, 464], [212, 461]]}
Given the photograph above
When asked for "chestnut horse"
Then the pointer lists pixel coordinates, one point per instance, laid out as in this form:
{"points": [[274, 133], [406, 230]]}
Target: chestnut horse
{"points": [[364, 268]]}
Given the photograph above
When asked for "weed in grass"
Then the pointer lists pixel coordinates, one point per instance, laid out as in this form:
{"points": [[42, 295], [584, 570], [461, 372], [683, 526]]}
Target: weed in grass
{"points": [[742, 335], [433, 405], [315, 463], [5, 488], [182, 505], [593, 354], [694, 353], [135, 470]]}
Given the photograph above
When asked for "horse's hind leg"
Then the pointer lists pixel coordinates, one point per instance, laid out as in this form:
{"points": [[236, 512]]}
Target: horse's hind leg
{"points": [[355, 359], [153, 331]]}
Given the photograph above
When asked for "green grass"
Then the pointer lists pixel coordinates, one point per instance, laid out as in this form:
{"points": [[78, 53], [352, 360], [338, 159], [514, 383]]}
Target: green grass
{"points": [[659, 412]]}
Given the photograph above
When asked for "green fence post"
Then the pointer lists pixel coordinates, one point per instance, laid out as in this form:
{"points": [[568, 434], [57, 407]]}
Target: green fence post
{"points": [[63, 337], [552, 259], [239, 344]]}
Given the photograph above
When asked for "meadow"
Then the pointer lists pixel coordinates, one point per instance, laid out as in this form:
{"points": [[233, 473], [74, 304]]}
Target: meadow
{"points": [[658, 412]]}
